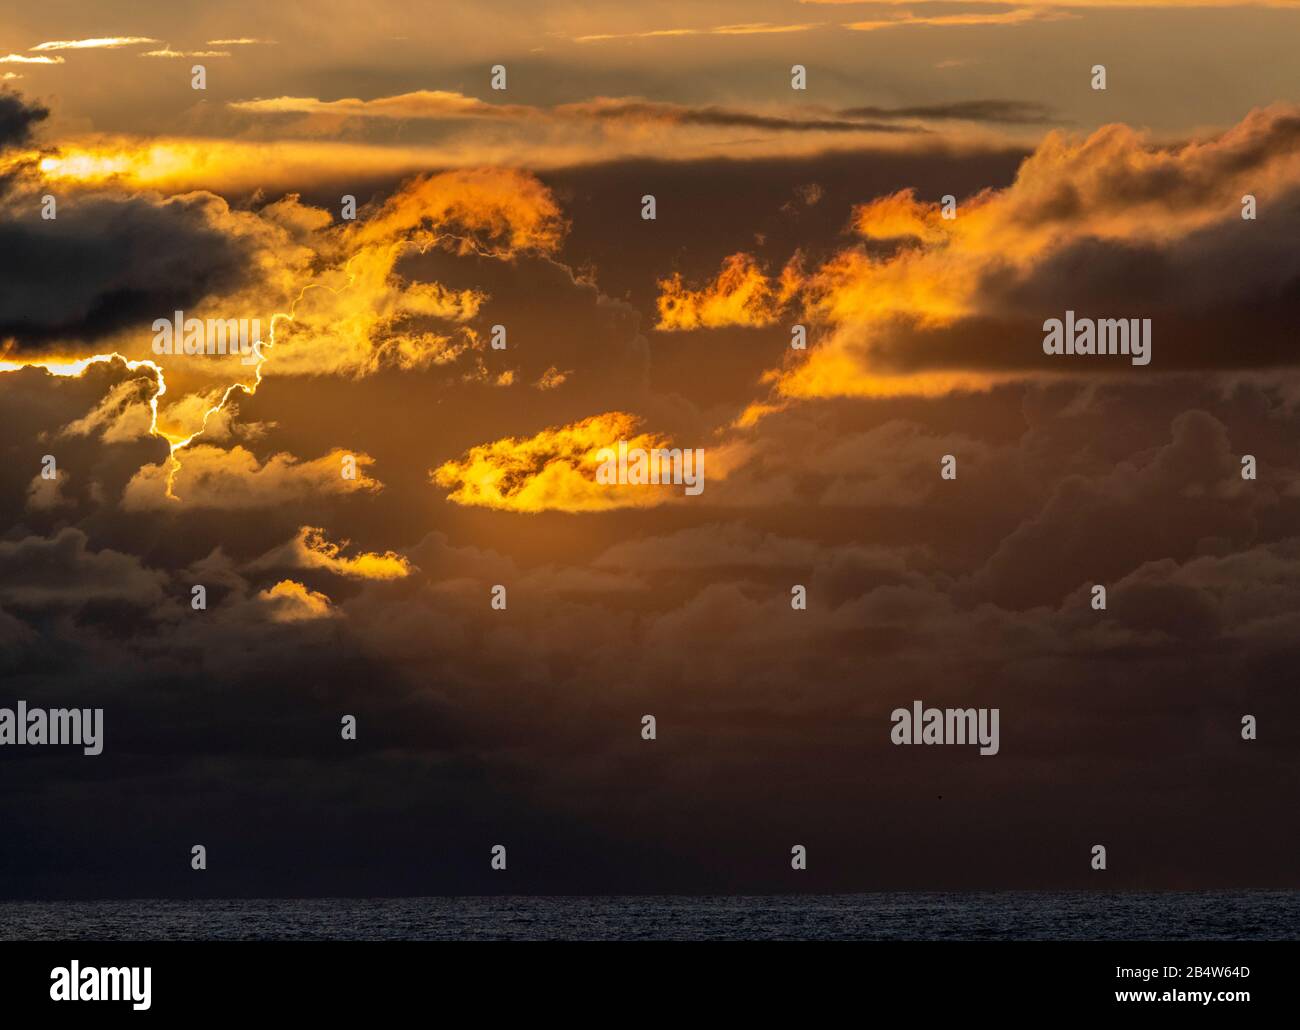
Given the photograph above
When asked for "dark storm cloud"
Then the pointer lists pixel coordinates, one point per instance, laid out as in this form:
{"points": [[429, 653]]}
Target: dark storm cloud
{"points": [[1222, 297], [39, 572], [110, 261], [1007, 112], [723, 117], [18, 116], [477, 726], [1101, 527], [444, 106], [1109, 227]]}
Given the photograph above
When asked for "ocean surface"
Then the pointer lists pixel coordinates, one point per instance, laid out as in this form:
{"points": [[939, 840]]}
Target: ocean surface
{"points": [[1212, 915]]}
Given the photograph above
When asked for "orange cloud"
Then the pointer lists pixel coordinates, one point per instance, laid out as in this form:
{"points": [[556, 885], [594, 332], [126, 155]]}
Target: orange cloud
{"points": [[291, 601], [759, 28], [361, 315], [483, 210], [900, 215], [169, 52], [423, 103], [740, 295], [98, 43], [552, 379], [309, 549], [509, 136], [556, 469], [1115, 184], [234, 480], [327, 294], [1015, 16], [121, 416], [328, 301]]}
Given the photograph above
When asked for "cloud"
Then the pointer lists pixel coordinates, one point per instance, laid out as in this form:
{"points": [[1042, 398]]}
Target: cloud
{"points": [[47, 494], [964, 592], [1195, 478], [743, 29], [62, 571], [556, 469], [236, 480], [1014, 16], [20, 59], [310, 549], [17, 119], [133, 258], [635, 110], [552, 379], [363, 315], [121, 416], [169, 52], [290, 601], [610, 111], [928, 305], [123, 260], [495, 211], [100, 43], [740, 295], [419, 104], [1014, 112], [721, 548], [358, 313], [282, 155]]}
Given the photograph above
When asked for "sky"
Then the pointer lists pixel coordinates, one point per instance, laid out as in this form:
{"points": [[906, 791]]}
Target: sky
{"points": [[350, 495]]}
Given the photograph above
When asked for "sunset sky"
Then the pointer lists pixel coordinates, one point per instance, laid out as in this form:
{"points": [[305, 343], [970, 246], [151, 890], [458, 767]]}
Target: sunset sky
{"points": [[475, 467]]}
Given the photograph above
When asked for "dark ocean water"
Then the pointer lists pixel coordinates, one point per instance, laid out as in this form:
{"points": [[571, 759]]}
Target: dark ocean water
{"points": [[1217, 915]]}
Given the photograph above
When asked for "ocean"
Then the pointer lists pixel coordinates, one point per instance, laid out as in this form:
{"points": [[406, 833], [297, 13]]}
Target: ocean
{"points": [[1195, 915]]}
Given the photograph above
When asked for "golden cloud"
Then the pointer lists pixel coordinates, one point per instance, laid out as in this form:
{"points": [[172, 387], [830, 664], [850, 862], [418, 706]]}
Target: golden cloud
{"points": [[234, 480], [556, 469], [98, 43], [291, 601], [327, 300], [483, 210], [758, 28], [740, 295], [122, 415], [169, 52], [309, 549], [422, 103], [1114, 184], [1014, 16]]}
